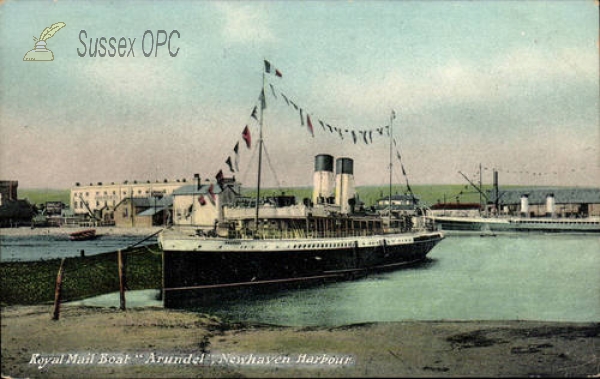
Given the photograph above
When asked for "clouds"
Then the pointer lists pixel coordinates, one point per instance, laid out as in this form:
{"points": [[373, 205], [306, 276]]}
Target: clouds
{"points": [[504, 82], [244, 22]]}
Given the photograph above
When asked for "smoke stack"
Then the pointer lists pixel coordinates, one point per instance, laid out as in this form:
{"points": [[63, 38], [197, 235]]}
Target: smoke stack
{"points": [[496, 193], [323, 180], [197, 177], [525, 205], [344, 183], [550, 205]]}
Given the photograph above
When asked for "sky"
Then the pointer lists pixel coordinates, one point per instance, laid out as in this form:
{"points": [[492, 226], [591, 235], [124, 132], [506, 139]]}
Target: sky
{"points": [[508, 85]]}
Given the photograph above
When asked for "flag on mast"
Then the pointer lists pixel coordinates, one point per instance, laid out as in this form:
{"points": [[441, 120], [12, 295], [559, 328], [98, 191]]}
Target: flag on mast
{"points": [[247, 137], [263, 101], [236, 160], [220, 177], [269, 69], [229, 164], [310, 126]]}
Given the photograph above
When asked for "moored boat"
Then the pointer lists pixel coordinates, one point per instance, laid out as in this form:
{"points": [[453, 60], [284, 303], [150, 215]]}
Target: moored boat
{"points": [[271, 243], [83, 235], [518, 224]]}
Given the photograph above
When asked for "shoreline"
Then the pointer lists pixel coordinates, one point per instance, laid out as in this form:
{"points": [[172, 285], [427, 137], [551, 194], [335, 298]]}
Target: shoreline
{"points": [[65, 231], [404, 348]]}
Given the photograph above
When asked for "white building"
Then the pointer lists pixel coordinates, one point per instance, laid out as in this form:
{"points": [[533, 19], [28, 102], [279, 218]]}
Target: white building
{"points": [[92, 198]]}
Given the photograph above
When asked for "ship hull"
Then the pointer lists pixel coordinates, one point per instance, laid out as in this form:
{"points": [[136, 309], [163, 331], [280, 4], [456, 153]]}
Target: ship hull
{"points": [[528, 225], [201, 271]]}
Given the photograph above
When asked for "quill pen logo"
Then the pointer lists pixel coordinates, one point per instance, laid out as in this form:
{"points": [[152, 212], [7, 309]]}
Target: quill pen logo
{"points": [[40, 52]]}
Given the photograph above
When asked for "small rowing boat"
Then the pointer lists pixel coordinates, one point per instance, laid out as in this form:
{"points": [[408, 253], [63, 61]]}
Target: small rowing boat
{"points": [[83, 235]]}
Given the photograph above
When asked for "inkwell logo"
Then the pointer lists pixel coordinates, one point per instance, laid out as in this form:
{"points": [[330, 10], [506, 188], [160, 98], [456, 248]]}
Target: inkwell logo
{"points": [[40, 52]]}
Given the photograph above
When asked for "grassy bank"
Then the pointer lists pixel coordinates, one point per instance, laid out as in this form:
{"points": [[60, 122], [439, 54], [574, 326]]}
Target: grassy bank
{"points": [[428, 193], [27, 283]]}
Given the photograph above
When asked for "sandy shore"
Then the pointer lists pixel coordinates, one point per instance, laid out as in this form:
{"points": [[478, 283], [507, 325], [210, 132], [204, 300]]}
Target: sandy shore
{"points": [[103, 230], [159, 343]]}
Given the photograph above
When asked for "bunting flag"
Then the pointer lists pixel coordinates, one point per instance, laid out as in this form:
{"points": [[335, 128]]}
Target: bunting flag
{"points": [[219, 177], [403, 171], [247, 137], [211, 192], [254, 113], [310, 126], [201, 200], [367, 134], [273, 90], [236, 160], [269, 69], [228, 161], [398, 155], [263, 101]]}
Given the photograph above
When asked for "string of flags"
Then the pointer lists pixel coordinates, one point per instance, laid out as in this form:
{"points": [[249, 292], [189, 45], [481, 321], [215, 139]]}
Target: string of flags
{"points": [[306, 120], [527, 172]]}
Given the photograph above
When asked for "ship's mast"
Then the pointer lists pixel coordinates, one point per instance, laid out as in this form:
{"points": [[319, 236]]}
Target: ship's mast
{"points": [[392, 116], [480, 198], [260, 148]]}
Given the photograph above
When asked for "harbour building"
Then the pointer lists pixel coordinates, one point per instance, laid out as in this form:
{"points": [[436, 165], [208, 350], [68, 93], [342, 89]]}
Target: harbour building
{"points": [[549, 202], [100, 201]]}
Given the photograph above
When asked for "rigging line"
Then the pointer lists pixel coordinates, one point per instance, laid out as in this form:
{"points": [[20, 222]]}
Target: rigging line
{"points": [[245, 173], [271, 166]]}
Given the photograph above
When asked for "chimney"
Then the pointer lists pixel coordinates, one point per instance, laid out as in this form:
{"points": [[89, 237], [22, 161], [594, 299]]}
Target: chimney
{"points": [[344, 183], [198, 185], [550, 205], [525, 205], [323, 180]]}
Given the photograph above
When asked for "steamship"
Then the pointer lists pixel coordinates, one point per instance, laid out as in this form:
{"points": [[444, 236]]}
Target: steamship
{"points": [[231, 245], [520, 217]]}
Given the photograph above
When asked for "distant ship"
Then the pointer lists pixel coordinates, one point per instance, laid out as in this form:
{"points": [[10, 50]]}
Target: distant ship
{"points": [[533, 210], [517, 224], [263, 244]]}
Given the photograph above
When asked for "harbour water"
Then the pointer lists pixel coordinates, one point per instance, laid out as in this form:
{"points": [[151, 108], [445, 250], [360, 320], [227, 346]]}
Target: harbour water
{"points": [[30, 248], [509, 277], [554, 277]]}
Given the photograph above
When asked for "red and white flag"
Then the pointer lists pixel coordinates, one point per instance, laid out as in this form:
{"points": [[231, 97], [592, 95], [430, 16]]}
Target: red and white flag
{"points": [[269, 69]]}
